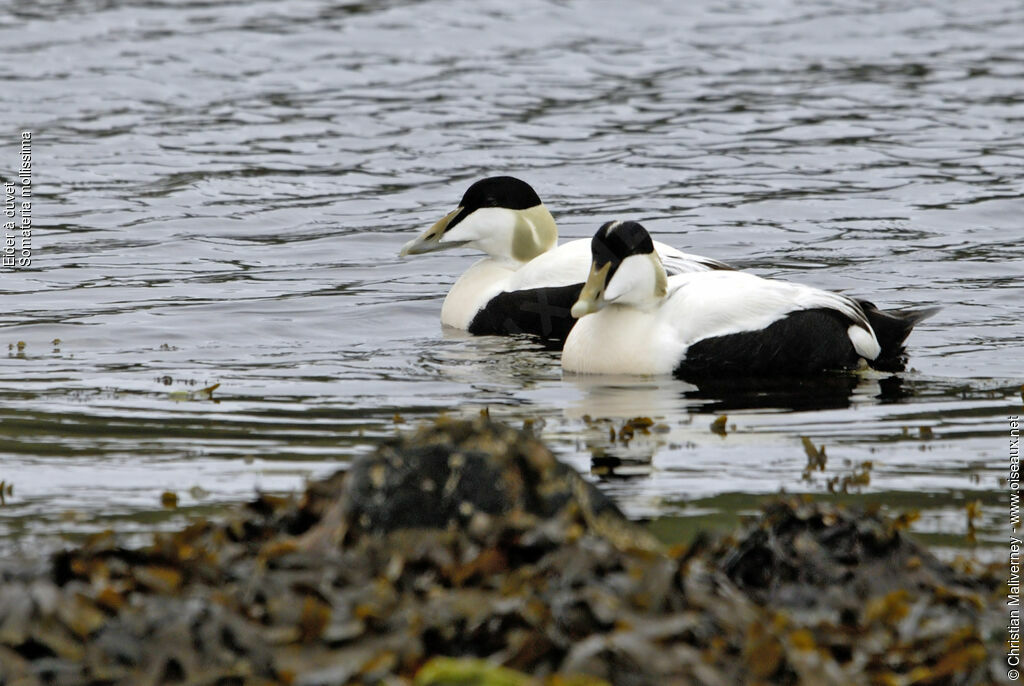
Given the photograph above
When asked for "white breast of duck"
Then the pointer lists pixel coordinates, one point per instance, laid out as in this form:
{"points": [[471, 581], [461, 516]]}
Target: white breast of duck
{"points": [[473, 290]]}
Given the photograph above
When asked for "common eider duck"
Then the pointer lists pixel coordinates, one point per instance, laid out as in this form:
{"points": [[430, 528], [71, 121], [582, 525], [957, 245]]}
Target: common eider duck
{"points": [[635, 319], [525, 284]]}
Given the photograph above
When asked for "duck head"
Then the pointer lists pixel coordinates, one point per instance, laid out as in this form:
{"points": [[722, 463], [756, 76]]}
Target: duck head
{"points": [[624, 270], [500, 215]]}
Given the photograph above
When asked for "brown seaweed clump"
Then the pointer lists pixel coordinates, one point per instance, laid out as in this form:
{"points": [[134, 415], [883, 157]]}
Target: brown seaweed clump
{"points": [[467, 554]]}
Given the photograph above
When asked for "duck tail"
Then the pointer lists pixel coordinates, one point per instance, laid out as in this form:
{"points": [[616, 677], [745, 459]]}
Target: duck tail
{"points": [[892, 328]]}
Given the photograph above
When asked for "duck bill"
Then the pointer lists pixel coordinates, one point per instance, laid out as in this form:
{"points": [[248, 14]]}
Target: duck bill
{"points": [[591, 299], [430, 240]]}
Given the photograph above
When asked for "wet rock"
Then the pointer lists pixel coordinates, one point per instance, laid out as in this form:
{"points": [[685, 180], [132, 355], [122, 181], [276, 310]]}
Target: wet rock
{"points": [[452, 474], [799, 553]]}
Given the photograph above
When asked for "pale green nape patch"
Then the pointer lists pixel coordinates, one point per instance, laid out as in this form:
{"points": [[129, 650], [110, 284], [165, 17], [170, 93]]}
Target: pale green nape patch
{"points": [[660, 277], [534, 234]]}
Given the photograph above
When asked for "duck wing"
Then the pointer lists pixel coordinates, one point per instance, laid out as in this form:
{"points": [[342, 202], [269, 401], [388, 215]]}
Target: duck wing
{"points": [[679, 262]]}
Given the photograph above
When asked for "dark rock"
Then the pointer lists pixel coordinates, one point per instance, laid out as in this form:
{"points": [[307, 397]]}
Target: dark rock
{"points": [[448, 471]]}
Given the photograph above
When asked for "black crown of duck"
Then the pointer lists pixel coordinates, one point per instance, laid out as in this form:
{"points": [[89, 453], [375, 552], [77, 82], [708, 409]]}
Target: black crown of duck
{"points": [[619, 247], [505, 192], [500, 191], [615, 241]]}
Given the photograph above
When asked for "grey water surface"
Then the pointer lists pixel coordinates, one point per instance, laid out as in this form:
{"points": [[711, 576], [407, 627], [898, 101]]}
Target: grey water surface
{"points": [[221, 190]]}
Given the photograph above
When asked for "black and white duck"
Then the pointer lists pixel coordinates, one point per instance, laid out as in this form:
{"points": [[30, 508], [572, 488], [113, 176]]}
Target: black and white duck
{"points": [[636, 319]]}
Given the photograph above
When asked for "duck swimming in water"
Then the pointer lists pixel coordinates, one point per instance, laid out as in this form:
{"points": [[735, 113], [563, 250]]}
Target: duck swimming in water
{"points": [[525, 284], [635, 319]]}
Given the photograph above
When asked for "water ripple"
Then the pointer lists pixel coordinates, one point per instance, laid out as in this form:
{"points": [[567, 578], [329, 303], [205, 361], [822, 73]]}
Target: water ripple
{"points": [[222, 188]]}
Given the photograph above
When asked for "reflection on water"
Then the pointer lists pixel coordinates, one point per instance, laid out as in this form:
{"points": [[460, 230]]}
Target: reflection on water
{"points": [[222, 189]]}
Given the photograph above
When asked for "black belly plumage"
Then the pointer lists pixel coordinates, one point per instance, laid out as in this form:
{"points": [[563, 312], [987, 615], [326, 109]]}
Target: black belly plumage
{"points": [[802, 343], [540, 312]]}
